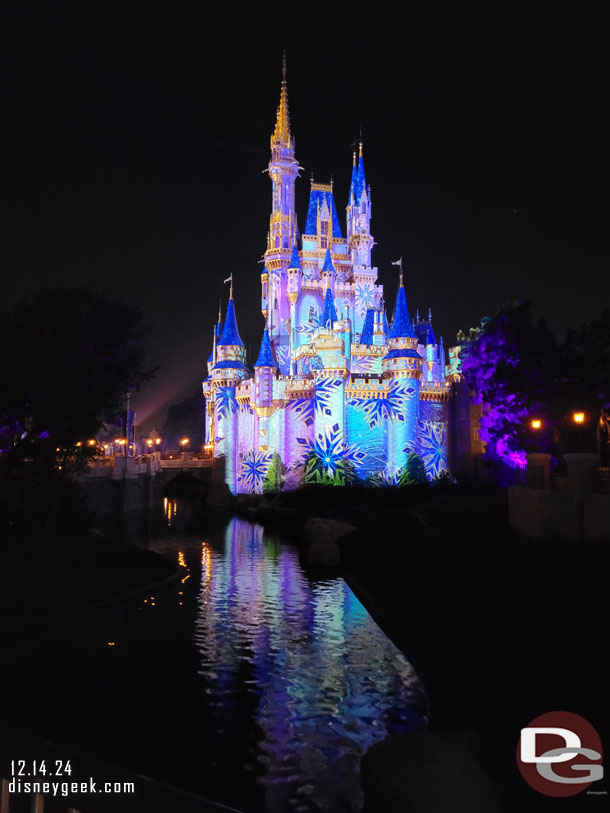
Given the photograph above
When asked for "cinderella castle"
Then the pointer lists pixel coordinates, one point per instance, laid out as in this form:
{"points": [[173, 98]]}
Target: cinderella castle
{"points": [[337, 388]]}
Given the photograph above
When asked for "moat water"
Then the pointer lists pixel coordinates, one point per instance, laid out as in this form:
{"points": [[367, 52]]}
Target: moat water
{"points": [[248, 681]]}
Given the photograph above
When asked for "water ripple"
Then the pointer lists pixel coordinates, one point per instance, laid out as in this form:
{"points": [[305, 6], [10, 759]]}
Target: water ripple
{"points": [[325, 681]]}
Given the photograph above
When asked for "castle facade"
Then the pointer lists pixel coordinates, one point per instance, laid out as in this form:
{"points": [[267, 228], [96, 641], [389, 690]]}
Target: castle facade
{"points": [[337, 390]]}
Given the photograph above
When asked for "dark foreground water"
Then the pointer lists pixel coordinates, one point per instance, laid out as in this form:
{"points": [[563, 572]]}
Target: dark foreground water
{"points": [[247, 681]]}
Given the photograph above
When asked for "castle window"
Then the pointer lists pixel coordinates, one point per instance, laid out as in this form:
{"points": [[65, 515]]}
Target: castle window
{"points": [[324, 234]]}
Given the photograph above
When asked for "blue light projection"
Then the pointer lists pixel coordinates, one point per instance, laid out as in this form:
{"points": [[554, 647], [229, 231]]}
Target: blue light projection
{"points": [[433, 448], [388, 407], [365, 297], [226, 402], [324, 391], [303, 408], [253, 468], [328, 451]]}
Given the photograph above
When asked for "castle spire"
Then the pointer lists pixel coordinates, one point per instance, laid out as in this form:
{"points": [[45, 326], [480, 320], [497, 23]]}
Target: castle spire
{"points": [[230, 333], [330, 312], [354, 181], [401, 324], [265, 355], [281, 134], [368, 327], [328, 266], [358, 178], [294, 259]]}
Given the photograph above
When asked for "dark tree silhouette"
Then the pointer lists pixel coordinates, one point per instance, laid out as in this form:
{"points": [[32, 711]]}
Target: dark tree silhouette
{"points": [[67, 359]]}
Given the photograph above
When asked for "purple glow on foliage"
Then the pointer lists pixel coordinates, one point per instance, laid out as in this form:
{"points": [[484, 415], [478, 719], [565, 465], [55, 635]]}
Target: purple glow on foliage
{"points": [[515, 459]]}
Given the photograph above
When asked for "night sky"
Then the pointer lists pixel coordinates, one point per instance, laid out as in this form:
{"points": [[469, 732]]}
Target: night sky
{"points": [[134, 142]]}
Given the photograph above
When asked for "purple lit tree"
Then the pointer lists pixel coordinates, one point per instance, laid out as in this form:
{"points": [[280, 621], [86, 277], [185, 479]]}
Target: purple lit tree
{"points": [[511, 366]]}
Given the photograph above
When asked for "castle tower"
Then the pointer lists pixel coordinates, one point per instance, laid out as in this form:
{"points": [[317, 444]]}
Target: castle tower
{"points": [[294, 283], [402, 369], [262, 401], [360, 240], [228, 370], [283, 170]]}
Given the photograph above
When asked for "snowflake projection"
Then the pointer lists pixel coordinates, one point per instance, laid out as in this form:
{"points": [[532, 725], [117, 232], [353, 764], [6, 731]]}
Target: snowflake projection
{"points": [[390, 407], [365, 297], [283, 358], [324, 391], [328, 453], [362, 364], [226, 402], [310, 326], [253, 467], [433, 447], [303, 409]]}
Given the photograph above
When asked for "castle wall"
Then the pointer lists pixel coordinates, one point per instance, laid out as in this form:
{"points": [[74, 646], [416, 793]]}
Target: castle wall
{"points": [[366, 431], [434, 437]]}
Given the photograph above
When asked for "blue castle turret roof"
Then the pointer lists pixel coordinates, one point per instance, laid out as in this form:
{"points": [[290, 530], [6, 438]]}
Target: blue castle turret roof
{"points": [[360, 180], [316, 198], [330, 312], [328, 263], [354, 181], [265, 355], [230, 333], [402, 353], [401, 325], [368, 327], [230, 364], [294, 259]]}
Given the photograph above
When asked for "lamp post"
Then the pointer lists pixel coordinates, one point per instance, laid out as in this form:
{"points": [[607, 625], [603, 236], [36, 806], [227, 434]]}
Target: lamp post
{"points": [[184, 442]]}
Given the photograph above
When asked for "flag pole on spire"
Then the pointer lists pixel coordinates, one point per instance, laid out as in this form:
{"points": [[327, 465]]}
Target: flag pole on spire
{"points": [[229, 279], [399, 264]]}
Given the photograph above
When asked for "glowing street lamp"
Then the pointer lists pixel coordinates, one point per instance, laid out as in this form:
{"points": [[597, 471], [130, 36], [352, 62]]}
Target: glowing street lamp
{"points": [[578, 417], [149, 443], [184, 442], [536, 423], [158, 441]]}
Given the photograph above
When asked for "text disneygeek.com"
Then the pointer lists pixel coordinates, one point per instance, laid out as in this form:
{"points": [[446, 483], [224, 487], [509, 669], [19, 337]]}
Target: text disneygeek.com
{"points": [[49, 788]]}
